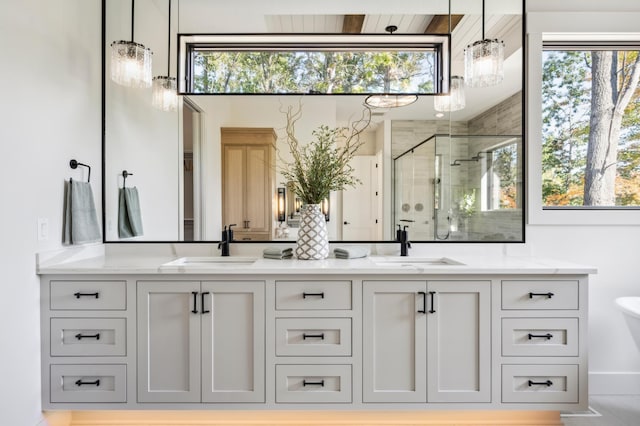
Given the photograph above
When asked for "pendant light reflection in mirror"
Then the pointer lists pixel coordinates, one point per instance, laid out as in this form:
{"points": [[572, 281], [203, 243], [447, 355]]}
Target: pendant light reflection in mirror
{"points": [[484, 60], [387, 99], [165, 95], [455, 100], [131, 61]]}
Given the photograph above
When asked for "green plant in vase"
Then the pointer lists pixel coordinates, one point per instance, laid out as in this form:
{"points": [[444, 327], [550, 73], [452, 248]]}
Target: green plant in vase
{"points": [[315, 170]]}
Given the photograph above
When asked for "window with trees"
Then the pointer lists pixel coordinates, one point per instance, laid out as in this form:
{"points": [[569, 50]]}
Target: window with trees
{"points": [[502, 177], [314, 64], [590, 127]]}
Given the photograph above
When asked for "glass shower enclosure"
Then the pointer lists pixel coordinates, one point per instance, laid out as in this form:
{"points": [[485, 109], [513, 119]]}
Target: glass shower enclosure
{"points": [[460, 188]]}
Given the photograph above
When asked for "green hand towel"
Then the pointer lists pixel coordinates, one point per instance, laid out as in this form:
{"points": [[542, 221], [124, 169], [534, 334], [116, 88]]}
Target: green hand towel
{"points": [[277, 251], [80, 218], [350, 252], [129, 216]]}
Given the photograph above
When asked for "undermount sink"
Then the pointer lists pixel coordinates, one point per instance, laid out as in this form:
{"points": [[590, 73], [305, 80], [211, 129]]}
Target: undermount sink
{"points": [[211, 262], [417, 261]]}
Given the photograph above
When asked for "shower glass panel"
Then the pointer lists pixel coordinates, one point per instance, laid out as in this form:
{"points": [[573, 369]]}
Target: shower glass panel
{"points": [[460, 188]]}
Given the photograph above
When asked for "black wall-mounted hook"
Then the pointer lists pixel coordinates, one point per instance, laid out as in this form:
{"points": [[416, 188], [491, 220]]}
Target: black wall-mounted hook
{"points": [[125, 175], [74, 165]]}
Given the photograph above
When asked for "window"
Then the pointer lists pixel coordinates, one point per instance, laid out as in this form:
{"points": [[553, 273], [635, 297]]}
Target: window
{"points": [[502, 177], [590, 127], [314, 64]]}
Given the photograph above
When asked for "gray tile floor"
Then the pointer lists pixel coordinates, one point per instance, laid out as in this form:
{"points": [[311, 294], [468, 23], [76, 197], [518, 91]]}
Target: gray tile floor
{"points": [[615, 410]]}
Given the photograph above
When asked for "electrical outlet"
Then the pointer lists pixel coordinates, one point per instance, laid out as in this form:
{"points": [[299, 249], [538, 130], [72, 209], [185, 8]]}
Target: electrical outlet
{"points": [[43, 229]]}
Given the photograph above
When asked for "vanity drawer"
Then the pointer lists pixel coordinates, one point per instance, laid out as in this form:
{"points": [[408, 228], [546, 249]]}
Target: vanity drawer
{"points": [[303, 295], [88, 295], [88, 337], [313, 337], [539, 294], [313, 383], [89, 383], [540, 383], [540, 336]]}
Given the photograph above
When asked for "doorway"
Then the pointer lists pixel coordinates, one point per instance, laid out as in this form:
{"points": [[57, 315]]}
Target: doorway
{"points": [[192, 135]]}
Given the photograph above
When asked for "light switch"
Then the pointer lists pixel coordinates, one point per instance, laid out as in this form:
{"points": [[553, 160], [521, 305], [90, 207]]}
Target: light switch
{"points": [[43, 229]]}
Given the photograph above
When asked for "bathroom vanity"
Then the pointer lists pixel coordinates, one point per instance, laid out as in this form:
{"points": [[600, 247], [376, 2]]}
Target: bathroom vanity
{"points": [[363, 334]]}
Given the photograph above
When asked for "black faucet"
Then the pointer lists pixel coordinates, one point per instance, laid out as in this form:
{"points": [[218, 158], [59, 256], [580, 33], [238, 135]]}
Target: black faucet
{"points": [[225, 241], [403, 237]]}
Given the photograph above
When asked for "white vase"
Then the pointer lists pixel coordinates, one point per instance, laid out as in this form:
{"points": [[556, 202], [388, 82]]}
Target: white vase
{"points": [[313, 238]]}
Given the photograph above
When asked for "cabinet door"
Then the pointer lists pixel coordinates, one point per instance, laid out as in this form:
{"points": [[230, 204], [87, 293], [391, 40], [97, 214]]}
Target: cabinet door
{"points": [[459, 341], [257, 192], [233, 184], [168, 342], [233, 342], [394, 341]]}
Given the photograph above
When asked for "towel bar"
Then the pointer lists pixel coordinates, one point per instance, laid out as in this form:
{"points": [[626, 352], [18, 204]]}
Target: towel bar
{"points": [[125, 175], [74, 165]]}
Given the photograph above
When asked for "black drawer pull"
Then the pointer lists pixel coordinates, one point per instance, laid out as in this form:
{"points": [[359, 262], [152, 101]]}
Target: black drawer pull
{"points": [[94, 383], [424, 303], [78, 295], [320, 295], [307, 383], [306, 336], [547, 383], [81, 336], [548, 295], [432, 294], [195, 302], [547, 336], [204, 311]]}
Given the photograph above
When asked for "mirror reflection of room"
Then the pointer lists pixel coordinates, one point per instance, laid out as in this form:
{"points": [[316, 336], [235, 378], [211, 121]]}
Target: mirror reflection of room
{"points": [[447, 173]]}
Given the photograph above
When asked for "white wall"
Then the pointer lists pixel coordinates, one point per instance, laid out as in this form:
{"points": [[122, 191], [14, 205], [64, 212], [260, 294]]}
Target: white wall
{"points": [[50, 109], [614, 360]]}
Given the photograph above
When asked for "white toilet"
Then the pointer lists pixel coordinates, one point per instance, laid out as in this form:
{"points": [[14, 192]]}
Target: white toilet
{"points": [[630, 306]]}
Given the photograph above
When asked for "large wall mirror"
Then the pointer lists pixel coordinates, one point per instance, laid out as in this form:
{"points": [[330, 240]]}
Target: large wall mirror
{"points": [[448, 176]]}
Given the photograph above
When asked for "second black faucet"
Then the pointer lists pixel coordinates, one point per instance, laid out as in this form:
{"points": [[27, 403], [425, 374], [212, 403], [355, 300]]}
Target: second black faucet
{"points": [[225, 240]]}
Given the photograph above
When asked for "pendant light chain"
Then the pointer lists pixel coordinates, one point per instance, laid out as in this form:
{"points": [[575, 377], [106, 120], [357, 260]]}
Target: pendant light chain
{"points": [[131, 61], [164, 94], [484, 59], [169, 43], [133, 18], [483, 37]]}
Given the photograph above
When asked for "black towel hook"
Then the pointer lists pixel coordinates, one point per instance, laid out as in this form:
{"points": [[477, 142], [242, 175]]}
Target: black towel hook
{"points": [[125, 174], [74, 165]]}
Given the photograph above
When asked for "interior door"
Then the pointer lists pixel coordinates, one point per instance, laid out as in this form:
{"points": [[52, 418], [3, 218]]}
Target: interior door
{"points": [[359, 204]]}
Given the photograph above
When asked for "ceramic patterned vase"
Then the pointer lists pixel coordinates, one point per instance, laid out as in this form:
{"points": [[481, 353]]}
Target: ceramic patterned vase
{"points": [[313, 238]]}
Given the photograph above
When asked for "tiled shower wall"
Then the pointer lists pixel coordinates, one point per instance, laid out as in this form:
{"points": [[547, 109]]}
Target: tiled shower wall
{"points": [[503, 119]]}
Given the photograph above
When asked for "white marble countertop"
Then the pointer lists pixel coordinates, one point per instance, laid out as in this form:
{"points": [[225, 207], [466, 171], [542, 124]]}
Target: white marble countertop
{"points": [[392, 265]]}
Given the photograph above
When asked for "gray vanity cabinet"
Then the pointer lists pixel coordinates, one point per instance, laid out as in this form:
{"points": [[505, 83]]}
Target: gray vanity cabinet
{"points": [[394, 341], [426, 341], [200, 341], [458, 341]]}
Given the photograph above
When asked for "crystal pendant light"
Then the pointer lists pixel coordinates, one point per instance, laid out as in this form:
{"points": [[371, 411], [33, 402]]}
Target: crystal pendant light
{"points": [[130, 61], [455, 100], [389, 100], [484, 61], [165, 95]]}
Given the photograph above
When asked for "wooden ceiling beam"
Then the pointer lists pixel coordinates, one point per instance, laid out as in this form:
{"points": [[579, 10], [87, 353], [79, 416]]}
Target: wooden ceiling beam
{"points": [[440, 24], [352, 24]]}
